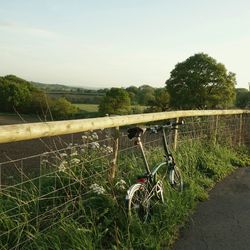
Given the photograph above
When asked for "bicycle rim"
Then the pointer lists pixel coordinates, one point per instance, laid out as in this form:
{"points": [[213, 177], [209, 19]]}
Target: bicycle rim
{"points": [[176, 179], [138, 202]]}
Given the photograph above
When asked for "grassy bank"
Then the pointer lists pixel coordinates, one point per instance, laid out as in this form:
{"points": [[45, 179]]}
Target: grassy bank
{"points": [[89, 211]]}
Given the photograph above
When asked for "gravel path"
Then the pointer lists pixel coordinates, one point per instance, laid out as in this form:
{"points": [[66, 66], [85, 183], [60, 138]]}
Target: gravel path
{"points": [[223, 221]]}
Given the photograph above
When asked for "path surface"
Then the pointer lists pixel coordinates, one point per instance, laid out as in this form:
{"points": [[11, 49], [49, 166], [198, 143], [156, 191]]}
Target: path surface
{"points": [[223, 221]]}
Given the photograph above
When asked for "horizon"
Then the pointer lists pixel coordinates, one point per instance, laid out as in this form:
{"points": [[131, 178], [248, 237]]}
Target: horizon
{"points": [[119, 44]]}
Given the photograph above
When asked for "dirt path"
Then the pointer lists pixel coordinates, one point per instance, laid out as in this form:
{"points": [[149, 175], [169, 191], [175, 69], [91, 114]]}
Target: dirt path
{"points": [[223, 221]]}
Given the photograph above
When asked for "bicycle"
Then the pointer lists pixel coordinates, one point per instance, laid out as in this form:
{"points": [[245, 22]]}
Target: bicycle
{"points": [[150, 184]]}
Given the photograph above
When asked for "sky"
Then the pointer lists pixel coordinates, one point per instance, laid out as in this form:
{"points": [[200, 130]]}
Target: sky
{"points": [[119, 43]]}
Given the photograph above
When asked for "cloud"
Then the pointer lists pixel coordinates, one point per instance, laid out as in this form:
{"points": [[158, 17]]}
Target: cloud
{"points": [[27, 30]]}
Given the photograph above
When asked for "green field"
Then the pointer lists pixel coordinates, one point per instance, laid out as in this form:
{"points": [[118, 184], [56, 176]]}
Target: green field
{"points": [[94, 107], [87, 107]]}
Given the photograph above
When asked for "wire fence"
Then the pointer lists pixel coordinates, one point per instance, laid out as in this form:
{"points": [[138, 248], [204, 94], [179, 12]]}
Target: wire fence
{"points": [[37, 192]]}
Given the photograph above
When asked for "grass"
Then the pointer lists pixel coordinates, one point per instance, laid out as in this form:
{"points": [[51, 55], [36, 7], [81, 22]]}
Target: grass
{"points": [[90, 219], [94, 107], [87, 107]]}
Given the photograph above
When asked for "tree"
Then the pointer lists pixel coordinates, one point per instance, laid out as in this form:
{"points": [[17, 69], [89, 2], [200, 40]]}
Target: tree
{"points": [[201, 82], [61, 108], [242, 98], [116, 101], [19, 95], [146, 94], [133, 93], [161, 101], [14, 93]]}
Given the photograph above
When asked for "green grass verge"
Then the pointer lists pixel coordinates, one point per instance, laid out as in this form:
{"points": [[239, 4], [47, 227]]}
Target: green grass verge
{"points": [[99, 221]]}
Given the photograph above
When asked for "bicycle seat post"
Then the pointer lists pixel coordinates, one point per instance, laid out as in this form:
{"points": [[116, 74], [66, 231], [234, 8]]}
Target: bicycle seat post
{"points": [[143, 154]]}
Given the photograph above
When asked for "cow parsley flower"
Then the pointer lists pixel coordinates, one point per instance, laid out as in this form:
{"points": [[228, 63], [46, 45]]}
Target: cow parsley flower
{"points": [[62, 167], [75, 161], [121, 184], [97, 189], [94, 145]]}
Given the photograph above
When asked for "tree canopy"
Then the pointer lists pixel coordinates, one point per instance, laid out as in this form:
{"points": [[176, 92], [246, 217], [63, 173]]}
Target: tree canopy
{"points": [[116, 101], [201, 82], [19, 95], [242, 98], [160, 102]]}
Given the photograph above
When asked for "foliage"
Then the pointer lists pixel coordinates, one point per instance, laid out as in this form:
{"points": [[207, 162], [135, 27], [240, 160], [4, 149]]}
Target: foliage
{"points": [[133, 94], [242, 98], [201, 82], [97, 217], [146, 94], [61, 108], [14, 93], [116, 101], [160, 102], [19, 95]]}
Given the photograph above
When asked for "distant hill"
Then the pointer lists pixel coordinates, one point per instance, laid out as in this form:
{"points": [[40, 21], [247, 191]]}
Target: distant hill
{"points": [[72, 94], [58, 87]]}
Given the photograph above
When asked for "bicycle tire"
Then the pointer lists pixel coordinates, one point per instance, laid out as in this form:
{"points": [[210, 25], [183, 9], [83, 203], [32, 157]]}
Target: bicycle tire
{"points": [[176, 179], [138, 202]]}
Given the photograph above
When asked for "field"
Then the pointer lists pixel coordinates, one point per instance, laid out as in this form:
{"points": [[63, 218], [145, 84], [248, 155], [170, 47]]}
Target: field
{"points": [[91, 108], [87, 107]]}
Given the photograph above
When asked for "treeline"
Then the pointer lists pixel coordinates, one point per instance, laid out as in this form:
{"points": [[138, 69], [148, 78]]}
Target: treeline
{"points": [[199, 82], [19, 95]]}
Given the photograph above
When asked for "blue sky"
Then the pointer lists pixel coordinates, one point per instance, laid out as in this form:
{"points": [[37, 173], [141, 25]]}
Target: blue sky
{"points": [[104, 43]]}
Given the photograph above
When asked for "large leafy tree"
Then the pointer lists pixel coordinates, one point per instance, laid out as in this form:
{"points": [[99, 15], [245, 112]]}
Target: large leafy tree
{"points": [[242, 98], [116, 101], [201, 82]]}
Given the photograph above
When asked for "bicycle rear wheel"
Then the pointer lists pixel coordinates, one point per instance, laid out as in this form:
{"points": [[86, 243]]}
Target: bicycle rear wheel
{"points": [[176, 179], [138, 202]]}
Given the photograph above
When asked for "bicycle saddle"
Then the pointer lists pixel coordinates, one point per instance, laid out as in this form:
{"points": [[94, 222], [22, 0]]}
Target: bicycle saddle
{"points": [[135, 132]]}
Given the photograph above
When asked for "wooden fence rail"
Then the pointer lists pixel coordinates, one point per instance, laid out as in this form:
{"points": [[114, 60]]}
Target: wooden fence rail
{"points": [[19, 132]]}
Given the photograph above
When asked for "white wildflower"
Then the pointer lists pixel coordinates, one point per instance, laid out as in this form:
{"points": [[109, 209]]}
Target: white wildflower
{"points": [[121, 184], [94, 145], [97, 189], [95, 136], [75, 161], [63, 155], [84, 137], [63, 166], [74, 153], [109, 149]]}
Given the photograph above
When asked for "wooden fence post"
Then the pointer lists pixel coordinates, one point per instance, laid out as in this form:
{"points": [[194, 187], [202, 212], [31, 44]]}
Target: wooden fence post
{"points": [[176, 134], [240, 129], [113, 166], [216, 128]]}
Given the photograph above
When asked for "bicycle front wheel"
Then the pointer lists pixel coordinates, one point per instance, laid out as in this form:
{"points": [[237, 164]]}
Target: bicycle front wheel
{"points": [[138, 202], [176, 179]]}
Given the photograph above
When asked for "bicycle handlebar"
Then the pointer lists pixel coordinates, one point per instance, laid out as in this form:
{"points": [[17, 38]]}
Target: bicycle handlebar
{"points": [[137, 131], [172, 125]]}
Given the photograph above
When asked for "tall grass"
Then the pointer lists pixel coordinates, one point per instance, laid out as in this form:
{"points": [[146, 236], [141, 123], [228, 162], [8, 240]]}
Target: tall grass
{"points": [[90, 213]]}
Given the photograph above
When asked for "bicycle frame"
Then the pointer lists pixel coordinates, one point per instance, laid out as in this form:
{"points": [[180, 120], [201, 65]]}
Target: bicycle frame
{"points": [[169, 158]]}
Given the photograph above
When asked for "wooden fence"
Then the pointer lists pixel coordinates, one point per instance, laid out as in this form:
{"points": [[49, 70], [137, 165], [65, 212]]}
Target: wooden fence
{"points": [[12, 133]]}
